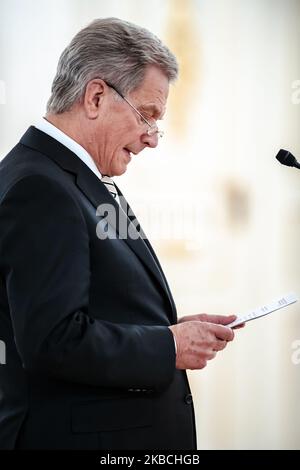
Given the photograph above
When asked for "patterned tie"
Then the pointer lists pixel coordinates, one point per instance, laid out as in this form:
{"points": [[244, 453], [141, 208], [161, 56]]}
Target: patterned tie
{"points": [[110, 186]]}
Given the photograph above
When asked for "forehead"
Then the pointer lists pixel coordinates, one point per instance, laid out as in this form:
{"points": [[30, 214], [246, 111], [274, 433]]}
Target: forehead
{"points": [[153, 91]]}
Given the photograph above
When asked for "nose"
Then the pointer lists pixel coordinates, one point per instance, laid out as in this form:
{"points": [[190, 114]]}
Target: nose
{"points": [[150, 140]]}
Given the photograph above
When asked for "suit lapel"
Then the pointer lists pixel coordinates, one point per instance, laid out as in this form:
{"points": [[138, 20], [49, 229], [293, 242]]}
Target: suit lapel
{"points": [[132, 217], [128, 228], [98, 195]]}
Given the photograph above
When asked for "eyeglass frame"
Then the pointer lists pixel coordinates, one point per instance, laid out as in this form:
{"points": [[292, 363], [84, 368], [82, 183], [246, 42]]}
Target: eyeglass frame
{"points": [[153, 129]]}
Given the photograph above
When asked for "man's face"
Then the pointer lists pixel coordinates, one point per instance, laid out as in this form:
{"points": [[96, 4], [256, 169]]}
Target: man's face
{"points": [[122, 132]]}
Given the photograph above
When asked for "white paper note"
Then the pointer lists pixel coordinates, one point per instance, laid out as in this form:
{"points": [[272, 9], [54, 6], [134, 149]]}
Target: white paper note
{"points": [[282, 302]]}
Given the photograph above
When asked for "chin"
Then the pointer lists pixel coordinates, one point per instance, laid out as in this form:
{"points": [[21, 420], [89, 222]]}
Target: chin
{"points": [[119, 165], [120, 170]]}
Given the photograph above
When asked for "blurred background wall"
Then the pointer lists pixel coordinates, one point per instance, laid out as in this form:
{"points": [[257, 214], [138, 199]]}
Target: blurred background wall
{"points": [[223, 215]]}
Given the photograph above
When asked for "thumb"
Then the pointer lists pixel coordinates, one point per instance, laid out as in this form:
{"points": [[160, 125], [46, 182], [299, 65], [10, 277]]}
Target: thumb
{"points": [[226, 319]]}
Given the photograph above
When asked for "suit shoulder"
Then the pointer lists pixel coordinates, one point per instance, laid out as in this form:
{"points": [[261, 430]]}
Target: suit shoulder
{"points": [[33, 169], [22, 160]]}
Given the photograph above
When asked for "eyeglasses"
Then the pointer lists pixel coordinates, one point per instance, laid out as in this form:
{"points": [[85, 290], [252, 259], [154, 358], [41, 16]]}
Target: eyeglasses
{"points": [[153, 129]]}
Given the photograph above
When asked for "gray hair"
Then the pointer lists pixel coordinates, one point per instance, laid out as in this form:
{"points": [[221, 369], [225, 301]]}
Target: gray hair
{"points": [[112, 49]]}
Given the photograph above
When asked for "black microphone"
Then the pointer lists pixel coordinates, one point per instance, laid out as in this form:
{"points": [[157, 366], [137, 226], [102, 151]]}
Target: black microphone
{"points": [[286, 158]]}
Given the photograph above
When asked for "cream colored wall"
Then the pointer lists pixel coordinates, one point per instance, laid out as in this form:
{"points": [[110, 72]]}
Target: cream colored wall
{"points": [[222, 213]]}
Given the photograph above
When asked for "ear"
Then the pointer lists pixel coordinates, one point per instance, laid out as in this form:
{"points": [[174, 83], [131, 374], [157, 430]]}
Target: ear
{"points": [[93, 97]]}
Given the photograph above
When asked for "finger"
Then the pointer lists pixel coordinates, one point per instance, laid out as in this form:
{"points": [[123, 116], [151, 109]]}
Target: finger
{"points": [[208, 318], [189, 318], [237, 327], [217, 319], [211, 355], [198, 317], [202, 363], [225, 319], [224, 333], [205, 317], [219, 345]]}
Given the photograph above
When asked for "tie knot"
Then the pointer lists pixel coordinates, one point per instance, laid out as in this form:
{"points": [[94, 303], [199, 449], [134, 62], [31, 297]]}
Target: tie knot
{"points": [[110, 185]]}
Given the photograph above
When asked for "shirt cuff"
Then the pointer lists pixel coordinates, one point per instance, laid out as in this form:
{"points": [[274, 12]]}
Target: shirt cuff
{"points": [[175, 344]]}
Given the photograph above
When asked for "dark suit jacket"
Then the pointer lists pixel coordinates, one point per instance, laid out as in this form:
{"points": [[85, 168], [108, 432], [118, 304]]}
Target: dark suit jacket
{"points": [[90, 357]]}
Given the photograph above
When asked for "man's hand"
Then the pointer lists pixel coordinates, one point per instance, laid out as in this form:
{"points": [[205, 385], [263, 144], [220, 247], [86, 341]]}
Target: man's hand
{"points": [[218, 319], [198, 340]]}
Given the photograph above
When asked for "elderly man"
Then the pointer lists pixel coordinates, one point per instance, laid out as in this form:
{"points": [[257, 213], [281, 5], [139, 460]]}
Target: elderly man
{"points": [[95, 356]]}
